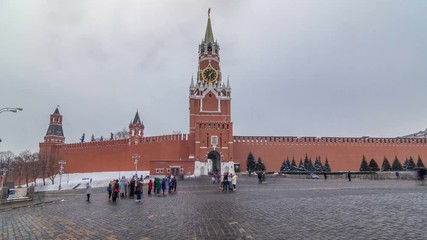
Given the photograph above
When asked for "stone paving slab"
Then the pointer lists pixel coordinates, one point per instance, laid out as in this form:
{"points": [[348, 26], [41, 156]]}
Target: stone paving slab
{"points": [[282, 208]]}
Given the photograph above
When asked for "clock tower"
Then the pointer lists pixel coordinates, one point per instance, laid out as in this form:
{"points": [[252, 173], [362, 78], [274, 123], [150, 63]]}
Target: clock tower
{"points": [[211, 128]]}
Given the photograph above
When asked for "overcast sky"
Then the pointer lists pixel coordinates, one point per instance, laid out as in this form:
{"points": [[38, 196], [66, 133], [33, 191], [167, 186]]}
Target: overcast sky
{"points": [[297, 68]]}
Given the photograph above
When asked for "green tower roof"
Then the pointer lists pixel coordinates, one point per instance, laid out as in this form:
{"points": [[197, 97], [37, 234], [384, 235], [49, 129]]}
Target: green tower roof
{"points": [[209, 34]]}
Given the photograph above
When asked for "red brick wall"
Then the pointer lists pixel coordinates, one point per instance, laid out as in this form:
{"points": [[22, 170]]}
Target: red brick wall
{"points": [[342, 156], [117, 155]]}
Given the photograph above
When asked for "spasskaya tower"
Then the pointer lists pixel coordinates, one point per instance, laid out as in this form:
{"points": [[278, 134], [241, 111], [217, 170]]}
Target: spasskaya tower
{"points": [[211, 128]]}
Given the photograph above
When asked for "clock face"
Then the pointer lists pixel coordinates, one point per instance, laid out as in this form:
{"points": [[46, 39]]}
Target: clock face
{"points": [[209, 74]]}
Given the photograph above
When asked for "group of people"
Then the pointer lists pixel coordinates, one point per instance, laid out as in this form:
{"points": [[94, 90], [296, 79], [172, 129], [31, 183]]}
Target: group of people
{"points": [[227, 182], [158, 184], [125, 188]]}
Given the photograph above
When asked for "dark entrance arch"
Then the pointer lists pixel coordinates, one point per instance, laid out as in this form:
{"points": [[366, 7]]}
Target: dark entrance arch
{"points": [[215, 157]]}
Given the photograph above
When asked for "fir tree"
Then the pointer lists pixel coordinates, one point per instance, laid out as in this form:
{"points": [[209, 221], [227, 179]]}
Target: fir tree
{"points": [[411, 164], [250, 163], [327, 168], [294, 165], [306, 162], [310, 166], [364, 165], [386, 165], [373, 166], [92, 139], [318, 164], [396, 166], [420, 162], [288, 163], [301, 166], [283, 167], [405, 164]]}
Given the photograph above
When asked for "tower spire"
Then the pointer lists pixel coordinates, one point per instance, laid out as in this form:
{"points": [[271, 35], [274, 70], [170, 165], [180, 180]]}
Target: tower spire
{"points": [[209, 33]]}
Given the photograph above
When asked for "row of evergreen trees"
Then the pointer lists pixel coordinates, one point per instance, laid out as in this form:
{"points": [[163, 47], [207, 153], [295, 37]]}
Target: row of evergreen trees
{"points": [[307, 165], [254, 166], [409, 164]]}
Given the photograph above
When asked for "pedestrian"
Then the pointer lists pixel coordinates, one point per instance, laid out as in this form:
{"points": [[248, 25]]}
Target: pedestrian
{"points": [[126, 187], [259, 177], [157, 185], [325, 175], [122, 187], [230, 183], [163, 185], [138, 191], [234, 181], [225, 182], [150, 186], [397, 175], [170, 184], [131, 187], [116, 190], [174, 183], [88, 191], [110, 189], [349, 176], [421, 173]]}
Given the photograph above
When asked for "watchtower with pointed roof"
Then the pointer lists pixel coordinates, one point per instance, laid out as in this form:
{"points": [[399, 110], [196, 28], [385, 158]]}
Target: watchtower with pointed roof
{"points": [[136, 130], [211, 128], [54, 133]]}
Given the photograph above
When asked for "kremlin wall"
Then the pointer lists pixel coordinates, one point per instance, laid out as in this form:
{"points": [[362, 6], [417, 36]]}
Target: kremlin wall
{"points": [[210, 145]]}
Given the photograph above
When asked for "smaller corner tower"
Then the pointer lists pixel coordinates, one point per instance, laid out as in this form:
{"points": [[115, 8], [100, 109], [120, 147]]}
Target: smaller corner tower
{"points": [[136, 130], [54, 133]]}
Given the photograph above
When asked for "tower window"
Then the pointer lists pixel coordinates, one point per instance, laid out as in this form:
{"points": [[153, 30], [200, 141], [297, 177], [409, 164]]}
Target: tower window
{"points": [[209, 48]]}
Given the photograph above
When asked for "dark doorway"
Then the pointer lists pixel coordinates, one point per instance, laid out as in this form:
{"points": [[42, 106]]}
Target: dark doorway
{"points": [[175, 171], [215, 157]]}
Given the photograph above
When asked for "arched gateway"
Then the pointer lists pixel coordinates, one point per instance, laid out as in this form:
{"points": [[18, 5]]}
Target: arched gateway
{"points": [[215, 158]]}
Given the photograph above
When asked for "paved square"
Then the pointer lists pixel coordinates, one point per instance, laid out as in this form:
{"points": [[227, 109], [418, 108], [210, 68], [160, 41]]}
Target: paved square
{"points": [[282, 208]]}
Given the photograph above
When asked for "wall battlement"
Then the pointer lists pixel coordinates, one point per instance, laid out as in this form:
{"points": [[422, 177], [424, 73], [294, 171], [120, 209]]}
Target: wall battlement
{"points": [[144, 140], [165, 138], [326, 140]]}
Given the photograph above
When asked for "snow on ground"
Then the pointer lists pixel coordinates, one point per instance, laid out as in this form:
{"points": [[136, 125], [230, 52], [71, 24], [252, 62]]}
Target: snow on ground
{"points": [[79, 180]]}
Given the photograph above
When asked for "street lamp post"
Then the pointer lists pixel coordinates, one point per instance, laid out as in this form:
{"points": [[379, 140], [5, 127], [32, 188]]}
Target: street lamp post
{"points": [[61, 171], [10, 110], [136, 157], [3, 171]]}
